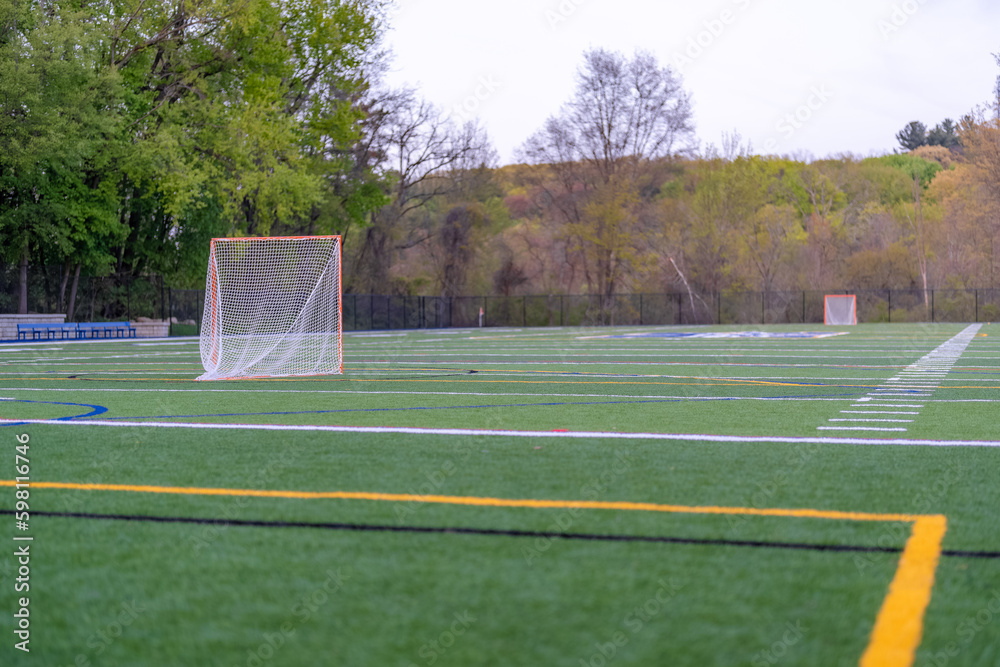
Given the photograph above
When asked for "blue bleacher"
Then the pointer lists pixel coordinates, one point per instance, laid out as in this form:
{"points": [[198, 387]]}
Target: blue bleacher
{"points": [[74, 330]]}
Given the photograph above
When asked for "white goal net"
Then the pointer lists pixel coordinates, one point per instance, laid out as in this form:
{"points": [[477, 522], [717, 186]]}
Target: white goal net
{"points": [[272, 307], [840, 309]]}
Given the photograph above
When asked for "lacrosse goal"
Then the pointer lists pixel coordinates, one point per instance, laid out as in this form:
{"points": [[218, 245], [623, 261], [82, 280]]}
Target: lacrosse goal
{"points": [[272, 307], [840, 309]]}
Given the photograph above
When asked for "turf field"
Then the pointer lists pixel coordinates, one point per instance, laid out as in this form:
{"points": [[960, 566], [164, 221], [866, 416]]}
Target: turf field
{"points": [[606, 496]]}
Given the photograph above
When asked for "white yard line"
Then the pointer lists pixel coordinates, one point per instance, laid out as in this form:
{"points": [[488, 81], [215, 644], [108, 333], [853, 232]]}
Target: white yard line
{"points": [[888, 405], [931, 369], [611, 435], [898, 421], [858, 428]]}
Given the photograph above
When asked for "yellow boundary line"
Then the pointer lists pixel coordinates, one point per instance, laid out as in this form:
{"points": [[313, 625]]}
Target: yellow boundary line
{"points": [[899, 624], [898, 627]]}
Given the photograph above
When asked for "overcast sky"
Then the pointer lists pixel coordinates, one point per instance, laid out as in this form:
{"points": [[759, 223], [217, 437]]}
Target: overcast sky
{"points": [[791, 76]]}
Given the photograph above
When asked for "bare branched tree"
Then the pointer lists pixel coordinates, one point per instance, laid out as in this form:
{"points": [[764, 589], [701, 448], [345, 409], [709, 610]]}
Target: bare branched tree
{"points": [[426, 155], [625, 115], [624, 112]]}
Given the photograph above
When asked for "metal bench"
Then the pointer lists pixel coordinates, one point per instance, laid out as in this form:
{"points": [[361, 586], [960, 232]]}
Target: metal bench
{"points": [[46, 331], [105, 330]]}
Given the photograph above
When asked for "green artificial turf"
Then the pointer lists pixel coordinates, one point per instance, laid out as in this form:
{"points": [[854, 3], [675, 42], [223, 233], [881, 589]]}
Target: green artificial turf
{"points": [[110, 591]]}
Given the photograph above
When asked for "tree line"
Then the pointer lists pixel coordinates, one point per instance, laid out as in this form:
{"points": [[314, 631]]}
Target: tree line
{"points": [[610, 197], [133, 132], [727, 221]]}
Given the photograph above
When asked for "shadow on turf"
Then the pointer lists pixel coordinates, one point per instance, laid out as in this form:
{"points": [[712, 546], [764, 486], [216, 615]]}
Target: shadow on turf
{"points": [[500, 533]]}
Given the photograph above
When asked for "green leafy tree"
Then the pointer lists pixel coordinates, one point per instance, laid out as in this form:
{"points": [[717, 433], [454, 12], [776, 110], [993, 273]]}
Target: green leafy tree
{"points": [[920, 172], [254, 105], [817, 191], [133, 132], [60, 138], [746, 222]]}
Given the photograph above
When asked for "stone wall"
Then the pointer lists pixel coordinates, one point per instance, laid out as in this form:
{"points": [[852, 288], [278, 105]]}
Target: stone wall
{"points": [[8, 323], [145, 328]]}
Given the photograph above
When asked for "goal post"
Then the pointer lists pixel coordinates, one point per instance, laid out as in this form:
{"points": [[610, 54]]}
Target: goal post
{"points": [[840, 309], [272, 307]]}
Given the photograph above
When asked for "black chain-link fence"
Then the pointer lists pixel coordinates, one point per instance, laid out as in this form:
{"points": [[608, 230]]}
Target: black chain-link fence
{"points": [[118, 297], [110, 298], [368, 311], [185, 307]]}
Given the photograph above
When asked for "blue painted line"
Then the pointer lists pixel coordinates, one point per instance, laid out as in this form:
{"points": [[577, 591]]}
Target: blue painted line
{"points": [[448, 407], [95, 410], [779, 398], [436, 407], [726, 335]]}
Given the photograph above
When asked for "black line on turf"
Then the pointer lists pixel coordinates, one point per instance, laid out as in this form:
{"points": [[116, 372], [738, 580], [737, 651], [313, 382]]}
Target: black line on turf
{"points": [[508, 533], [502, 533], [465, 531], [955, 553]]}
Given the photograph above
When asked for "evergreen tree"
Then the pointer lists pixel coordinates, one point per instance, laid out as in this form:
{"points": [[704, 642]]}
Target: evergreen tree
{"points": [[944, 134], [914, 135]]}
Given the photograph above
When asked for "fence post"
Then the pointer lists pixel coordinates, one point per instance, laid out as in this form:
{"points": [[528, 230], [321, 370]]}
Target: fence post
{"points": [[889, 309], [170, 311], [977, 305], [640, 308], [932, 306]]}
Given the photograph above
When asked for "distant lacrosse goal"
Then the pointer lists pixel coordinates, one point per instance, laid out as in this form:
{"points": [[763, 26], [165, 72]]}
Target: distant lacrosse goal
{"points": [[272, 307], [840, 309]]}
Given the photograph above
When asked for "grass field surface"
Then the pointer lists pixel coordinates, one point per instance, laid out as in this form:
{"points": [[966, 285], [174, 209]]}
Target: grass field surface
{"points": [[793, 495]]}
